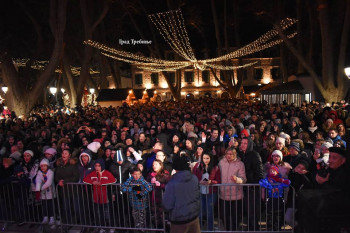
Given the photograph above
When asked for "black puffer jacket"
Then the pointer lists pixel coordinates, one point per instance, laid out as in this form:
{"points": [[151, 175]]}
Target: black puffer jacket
{"points": [[253, 164]]}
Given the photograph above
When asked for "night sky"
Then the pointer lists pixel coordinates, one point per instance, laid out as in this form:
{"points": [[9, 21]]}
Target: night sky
{"points": [[19, 38]]}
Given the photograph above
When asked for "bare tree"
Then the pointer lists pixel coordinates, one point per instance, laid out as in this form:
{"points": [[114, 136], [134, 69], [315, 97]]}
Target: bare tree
{"points": [[334, 44], [22, 98]]}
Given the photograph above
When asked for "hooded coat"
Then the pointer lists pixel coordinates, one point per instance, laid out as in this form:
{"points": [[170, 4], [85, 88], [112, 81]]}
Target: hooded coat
{"points": [[104, 178], [182, 197], [253, 164], [85, 169]]}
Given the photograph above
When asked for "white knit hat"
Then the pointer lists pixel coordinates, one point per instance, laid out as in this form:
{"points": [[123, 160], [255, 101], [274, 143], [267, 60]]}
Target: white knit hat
{"points": [[277, 152], [281, 140], [94, 146], [284, 135], [29, 152], [44, 162]]}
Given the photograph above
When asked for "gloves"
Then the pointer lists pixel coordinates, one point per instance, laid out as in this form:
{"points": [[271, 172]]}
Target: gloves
{"points": [[157, 183], [139, 196], [136, 188], [37, 195]]}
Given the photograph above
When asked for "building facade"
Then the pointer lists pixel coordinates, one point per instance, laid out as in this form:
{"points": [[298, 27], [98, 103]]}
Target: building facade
{"points": [[197, 83]]}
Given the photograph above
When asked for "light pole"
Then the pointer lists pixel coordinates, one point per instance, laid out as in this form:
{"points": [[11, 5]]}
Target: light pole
{"points": [[92, 91], [53, 91]]}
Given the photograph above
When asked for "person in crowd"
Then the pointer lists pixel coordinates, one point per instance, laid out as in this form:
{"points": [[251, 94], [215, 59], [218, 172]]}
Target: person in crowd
{"points": [[149, 158], [99, 178], [207, 173], [137, 188], [300, 179], [50, 155], [333, 134], [85, 165], [281, 146], [331, 197], [160, 155], [132, 155], [277, 160], [182, 198], [159, 177], [45, 191], [274, 185], [254, 172], [294, 154], [232, 172], [144, 142], [30, 167], [66, 172]]}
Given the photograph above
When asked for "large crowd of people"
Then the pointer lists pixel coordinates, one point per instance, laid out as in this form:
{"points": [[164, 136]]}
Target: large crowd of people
{"points": [[225, 141]]}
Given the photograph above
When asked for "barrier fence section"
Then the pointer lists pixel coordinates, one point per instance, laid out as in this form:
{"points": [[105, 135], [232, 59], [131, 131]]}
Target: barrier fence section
{"points": [[224, 207]]}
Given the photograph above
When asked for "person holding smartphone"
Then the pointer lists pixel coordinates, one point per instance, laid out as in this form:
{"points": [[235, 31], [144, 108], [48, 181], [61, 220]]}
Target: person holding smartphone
{"points": [[207, 174]]}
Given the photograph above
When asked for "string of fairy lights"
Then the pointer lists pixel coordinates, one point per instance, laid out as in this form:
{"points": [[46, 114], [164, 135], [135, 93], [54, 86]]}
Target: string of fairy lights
{"points": [[171, 26], [41, 65]]}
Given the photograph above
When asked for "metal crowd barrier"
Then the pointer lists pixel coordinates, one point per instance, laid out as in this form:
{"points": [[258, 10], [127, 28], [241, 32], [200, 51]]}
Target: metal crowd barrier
{"points": [[245, 208], [224, 208]]}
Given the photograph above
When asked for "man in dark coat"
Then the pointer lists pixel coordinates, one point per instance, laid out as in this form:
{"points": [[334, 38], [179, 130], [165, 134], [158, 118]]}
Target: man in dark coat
{"points": [[327, 208], [254, 172], [182, 198]]}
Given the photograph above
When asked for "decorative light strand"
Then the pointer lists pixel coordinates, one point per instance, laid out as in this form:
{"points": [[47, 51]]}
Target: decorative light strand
{"points": [[41, 65], [221, 67], [171, 26]]}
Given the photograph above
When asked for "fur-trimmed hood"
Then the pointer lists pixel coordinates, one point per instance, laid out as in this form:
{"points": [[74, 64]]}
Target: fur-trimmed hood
{"points": [[72, 161]]}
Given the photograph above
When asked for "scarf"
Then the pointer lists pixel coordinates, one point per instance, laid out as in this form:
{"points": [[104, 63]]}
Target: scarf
{"points": [[312, 129], [44, 176]]}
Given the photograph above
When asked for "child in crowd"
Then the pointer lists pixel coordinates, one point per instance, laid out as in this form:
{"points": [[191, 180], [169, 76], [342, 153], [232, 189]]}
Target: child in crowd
{"points": [[45, 190], [274, 184], [137, 188], [99, 179]]}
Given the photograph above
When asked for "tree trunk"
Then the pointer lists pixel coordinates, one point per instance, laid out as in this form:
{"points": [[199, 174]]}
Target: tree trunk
{"points": [[88, 51], [20, 99], [71, 90]]}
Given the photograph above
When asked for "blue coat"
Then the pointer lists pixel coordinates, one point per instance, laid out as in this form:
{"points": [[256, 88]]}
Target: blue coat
{"points": [[182, 198]]}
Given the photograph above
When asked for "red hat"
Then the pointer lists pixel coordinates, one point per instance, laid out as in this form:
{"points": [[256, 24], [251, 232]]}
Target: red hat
{"points": [[275, 169], [245, 132]]}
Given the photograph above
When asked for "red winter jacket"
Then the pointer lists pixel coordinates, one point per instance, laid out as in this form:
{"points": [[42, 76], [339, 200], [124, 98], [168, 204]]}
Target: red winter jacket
{"points": [[100, 191]]}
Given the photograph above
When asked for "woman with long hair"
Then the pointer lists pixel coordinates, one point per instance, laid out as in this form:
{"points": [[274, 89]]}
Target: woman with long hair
{"points": [[207, 173], [159, 177], [277, 160]]}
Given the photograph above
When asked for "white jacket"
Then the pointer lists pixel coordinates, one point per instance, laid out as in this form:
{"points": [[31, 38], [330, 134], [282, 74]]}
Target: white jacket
{"points": [[47, 188]]}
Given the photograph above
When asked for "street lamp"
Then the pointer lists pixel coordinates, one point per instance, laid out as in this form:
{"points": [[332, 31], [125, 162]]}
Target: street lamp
{"points": [[4, 89], [347, 72], [92, 91], [53, 90]]}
